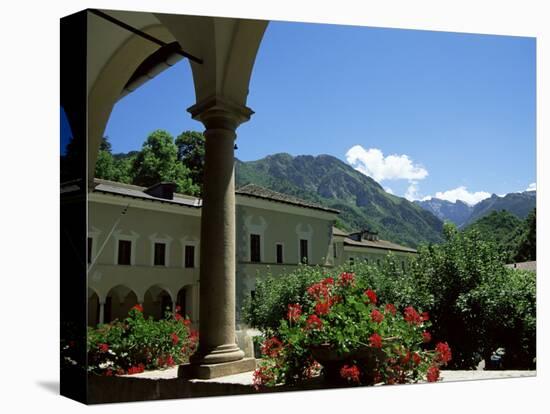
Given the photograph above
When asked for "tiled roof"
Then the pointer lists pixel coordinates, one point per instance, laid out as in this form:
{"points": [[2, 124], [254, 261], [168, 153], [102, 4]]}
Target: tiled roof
{"points": [[253, 190], [337, 232], [134, 191], [379, 244]]}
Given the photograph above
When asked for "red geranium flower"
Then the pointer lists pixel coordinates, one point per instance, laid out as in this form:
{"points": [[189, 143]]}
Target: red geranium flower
{"points": [[412, 316], [103, 347], [375, 340], [136, 369], [443, 352], [328, 281], [261, 377], [347, 279], [372, 296], [406, 358], [294, 312], [313, 322], [433, 374], [426, 336], [425, 316], [187, 322], [318, 290], [178, 317], [322, 308], [350, 373], [416, 359], [376, 316], [391, 308], [272, 347], [175, 338], [138, 307], [170, 361]]}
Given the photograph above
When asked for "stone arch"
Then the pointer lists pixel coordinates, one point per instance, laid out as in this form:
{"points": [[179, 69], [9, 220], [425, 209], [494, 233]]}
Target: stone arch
{"points": [[108, 84], [93, 307], [118, 302], [157, 300], [184, 299]]}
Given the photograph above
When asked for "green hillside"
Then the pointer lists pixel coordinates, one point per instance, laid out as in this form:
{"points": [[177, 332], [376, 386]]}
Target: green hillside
{"points": [[361, 200]]}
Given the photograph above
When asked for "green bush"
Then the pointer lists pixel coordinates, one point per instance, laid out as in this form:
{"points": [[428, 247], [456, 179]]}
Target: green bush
{"points": [[137, 344], [475, 302]]}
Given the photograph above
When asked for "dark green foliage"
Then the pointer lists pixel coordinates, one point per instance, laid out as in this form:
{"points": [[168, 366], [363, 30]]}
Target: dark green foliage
{"points": [[503, 229], [190, 146], [110, 167], [527, 241], [476, 303], [361, 200]]}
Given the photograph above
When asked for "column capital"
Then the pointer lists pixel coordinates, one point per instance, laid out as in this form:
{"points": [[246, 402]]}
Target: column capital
{"points": [[219, 112]]}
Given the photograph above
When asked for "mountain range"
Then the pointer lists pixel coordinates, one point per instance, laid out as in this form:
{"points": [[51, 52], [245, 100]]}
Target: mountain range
{"points": [[462, 214], [362, 202]]}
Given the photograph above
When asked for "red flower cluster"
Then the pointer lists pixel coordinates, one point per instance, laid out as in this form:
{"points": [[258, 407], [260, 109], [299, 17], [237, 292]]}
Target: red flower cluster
{"points": [[347, 279], [318, 290], [175, 338], [322, 308], [443, 352], [426, 336], [272, 347], [137, 307], [433, 373], [103, 347], [350, 373], [412, 316], [391, 308], [329, 281], [261, 377], [294, 312], [425, 316], [376, 316], [313, 322], [416, 359], [375, 340], [136, 369], [371, 295], [168, 361]]}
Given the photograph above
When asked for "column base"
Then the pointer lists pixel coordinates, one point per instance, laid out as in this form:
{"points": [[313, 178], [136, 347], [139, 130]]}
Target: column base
{"points": [[208, 371]]}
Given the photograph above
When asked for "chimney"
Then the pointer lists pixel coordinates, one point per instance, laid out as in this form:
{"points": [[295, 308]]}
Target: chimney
{"points": [[162, 190]]}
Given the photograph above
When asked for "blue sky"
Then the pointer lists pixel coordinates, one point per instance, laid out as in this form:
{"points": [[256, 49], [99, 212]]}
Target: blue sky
{"points": [[425, 113]]}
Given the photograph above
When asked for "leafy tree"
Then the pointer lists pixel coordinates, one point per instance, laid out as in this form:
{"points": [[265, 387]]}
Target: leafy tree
{"points": [[527, 243], [191, 147], [157, 161]]}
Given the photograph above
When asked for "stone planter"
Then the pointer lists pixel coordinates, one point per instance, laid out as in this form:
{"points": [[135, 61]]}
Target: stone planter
{"points": [[332, 361]]}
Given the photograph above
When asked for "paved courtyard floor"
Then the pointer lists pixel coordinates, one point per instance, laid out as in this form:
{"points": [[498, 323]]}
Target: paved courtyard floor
{"points": [[246, 378]]}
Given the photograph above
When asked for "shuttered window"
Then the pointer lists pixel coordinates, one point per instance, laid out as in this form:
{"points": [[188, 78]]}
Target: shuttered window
{"points": [[160, 254], [124, 252]]}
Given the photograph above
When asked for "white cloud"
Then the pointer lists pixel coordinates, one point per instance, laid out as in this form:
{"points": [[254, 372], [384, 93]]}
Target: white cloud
{"points": [[388, 190], [412, 191], [372, 162], [461, 193], [532, 187]]}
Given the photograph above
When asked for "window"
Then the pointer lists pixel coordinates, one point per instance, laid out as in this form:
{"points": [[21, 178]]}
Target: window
{"points": [[90, 240], [189, 256], [279, 253], [255, 248], [124, 252], [303, 251], [160, 254]]}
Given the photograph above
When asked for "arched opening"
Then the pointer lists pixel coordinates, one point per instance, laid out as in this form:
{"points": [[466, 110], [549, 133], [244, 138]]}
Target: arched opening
{"points": [[118, 303], [185, 301], [93, 308], [157, 301]]}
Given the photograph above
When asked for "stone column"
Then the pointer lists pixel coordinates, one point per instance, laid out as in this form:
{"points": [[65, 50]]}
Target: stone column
{"points": [[217, 254], [101, 313]]}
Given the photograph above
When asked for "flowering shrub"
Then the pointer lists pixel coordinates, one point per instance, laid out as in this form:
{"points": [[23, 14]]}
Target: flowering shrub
{"points": [[137, 344], [341, 326]]}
